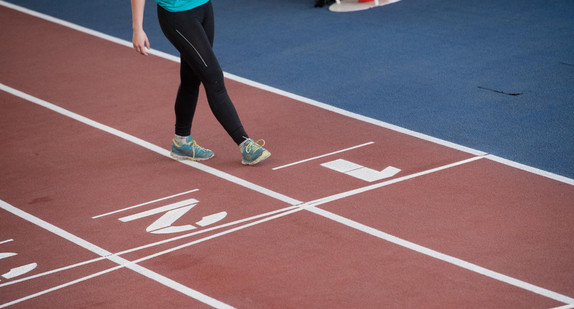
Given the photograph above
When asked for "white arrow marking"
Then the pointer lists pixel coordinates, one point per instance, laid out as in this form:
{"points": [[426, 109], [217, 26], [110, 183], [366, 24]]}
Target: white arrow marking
{"points": [[359, 171]]}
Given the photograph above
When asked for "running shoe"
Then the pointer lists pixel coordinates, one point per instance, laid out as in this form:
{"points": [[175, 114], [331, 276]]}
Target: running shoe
{"points": [[189, 151], [253, 152]]}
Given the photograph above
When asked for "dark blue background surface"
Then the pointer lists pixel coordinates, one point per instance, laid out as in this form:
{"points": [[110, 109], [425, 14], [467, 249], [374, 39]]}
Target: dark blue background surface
{"points": [[428, 66]]}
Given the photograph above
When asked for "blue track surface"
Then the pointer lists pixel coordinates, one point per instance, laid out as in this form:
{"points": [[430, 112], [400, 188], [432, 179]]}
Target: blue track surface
{"points": [[497, 76]]}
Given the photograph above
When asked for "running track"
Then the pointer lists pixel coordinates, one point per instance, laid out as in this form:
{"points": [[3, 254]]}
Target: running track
{"points": [[94, 213]]}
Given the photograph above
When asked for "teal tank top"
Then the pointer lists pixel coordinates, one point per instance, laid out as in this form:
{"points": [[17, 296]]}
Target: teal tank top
{"points": [[180, 5]]}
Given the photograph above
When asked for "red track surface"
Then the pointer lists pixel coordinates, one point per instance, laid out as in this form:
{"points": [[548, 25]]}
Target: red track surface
{"points": [[507, 223]]}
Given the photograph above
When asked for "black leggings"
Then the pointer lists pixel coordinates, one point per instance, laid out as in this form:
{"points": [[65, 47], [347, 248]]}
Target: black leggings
{"points": [[191, 32]]}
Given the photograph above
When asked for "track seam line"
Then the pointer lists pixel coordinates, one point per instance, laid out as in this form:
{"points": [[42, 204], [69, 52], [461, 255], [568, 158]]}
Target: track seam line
{"points": [[296, 97]]}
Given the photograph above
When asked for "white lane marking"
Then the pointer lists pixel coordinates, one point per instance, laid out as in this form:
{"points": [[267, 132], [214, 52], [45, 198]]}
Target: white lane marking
{"points": [[146, 203], [531, 169], [322, 156], [311, 207], [18, 271], [4, 255], [307, 205], [16, 301], [149, 146], [132, 265], [163, 225], [352, 115], [150, 245], [295, 97], [342, 166], [211, 219], [53, 271], [158, 210], [6, 241], [292, 96], [443, 257], [114, 258], [372, 175], [359, 171], [349, 193]]}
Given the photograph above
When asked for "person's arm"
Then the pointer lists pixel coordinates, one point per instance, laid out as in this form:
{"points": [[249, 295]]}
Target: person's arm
{"points": [[139, 39]]}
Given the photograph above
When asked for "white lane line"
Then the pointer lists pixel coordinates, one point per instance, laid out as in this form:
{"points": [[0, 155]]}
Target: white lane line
{"points": [[235, 229], [53, 271], [360, 172], [150, 274], [443, 257], [5, 241], [268, 216], [342, 195], [305, 206], [114, 258], [311, 207], [146, 203], [355, 116], [298, 98], [246, 184], [158, 210], [292, 96], [16, 301], [531, 169], [149, 146], [322, 156], [161, 242], [150, 245]]}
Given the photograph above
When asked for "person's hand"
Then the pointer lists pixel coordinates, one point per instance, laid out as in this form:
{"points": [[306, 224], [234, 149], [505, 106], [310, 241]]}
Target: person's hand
{"points": [[140, 42]]}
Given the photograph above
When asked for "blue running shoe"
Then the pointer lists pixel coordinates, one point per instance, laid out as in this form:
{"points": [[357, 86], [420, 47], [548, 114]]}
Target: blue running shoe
{"points": [[253, 152], [189, 151]]}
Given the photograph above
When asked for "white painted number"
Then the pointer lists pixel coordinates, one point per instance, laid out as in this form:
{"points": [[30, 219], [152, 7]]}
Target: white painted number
{"points": [[172, 212]]}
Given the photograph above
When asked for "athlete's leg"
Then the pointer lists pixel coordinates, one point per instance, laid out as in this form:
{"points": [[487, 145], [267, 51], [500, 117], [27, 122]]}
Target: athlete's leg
{"points": [[191, 32], [186, 100]]}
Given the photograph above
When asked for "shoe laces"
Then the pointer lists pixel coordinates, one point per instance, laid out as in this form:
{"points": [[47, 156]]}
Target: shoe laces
{"points": [[254, 145], [194, 145]]}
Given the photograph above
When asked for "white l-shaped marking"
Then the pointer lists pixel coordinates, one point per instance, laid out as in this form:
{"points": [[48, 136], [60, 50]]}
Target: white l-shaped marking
{"points": [[359, 171]]}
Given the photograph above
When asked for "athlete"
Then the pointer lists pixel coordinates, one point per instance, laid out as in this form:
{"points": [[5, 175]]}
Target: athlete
{"points": [[189, 26]]}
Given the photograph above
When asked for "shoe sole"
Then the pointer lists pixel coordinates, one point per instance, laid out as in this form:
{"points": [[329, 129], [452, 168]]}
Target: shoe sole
{"points": [[181, 158], [266, 154]]}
